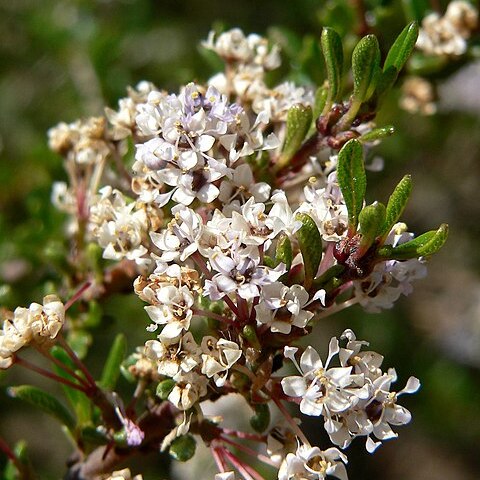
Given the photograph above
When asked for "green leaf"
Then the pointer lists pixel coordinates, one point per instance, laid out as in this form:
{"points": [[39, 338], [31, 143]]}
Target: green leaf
{"points": [[333, 52], [78, 400], [11, 472], [164, 388], [421, 246], [435, 243], [352, 180], [250, 334], [377, 134], [365, 67], [402, 48], [299, 118], [80, 341], [371, 220], [261, 419], [319, 103], [45, 402], [396, 203], [183, 448], [385, 82], [310, 243], [284, 253], [111, 370]]}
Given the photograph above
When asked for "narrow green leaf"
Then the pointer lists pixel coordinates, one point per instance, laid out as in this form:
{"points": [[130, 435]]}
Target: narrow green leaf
{"points": [[396, 203], [11, 472], [319, 103], [365, 67], [250, 334], [261, 418], [352, 180], [435, 243], [299, 119], [377, 134], [111, 370], [385, 82], [45, 402], [371, 220], [402, 48], [421, 246], [333, 53], [310, 243], [284, 253]]}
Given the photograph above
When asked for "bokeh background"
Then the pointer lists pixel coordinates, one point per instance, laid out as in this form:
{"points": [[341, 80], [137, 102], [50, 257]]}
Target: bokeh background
{"points": [[62, 60]]}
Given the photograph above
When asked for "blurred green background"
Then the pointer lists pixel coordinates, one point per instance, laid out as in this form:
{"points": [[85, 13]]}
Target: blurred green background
{"points": [[62, 60]]}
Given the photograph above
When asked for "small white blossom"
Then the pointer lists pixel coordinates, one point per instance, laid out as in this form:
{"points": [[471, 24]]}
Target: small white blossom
{"points": [[311, 463]]}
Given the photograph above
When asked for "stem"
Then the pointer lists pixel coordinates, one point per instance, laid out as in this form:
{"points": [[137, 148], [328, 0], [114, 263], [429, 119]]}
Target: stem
{"points": [[77, 295], [8, 452], [200, 262], [242, 309], [296, 429], [250, 452], [77, 361], [61, 365], [245, 435], [247, 472], [243, 369], [215, 316], [52, 376], [219, 460], [338, 307]]}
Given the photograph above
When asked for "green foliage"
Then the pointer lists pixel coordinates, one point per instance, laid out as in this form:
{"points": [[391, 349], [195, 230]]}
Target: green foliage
{"points": [[45, 402], [111, 370], [261, 419], [422, 246], [396, 203], [371, 221], [284, 252], [352, 180], [365, 68], [333, 53], [310, 243], [299, 119], [183, 448]]}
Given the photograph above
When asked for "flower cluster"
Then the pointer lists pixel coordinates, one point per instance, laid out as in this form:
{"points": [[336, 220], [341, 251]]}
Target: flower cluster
{"points": [[38, 325], [448, 35], [354, 398], [238, 211]]}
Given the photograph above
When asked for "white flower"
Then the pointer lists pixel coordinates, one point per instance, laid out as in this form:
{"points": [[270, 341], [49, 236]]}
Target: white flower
{"points": [[218, 357], [281, 307], [39, 324], [281, 218], [189, 388], [172, 356], [323, 391], [173, 310], [311, 463]]}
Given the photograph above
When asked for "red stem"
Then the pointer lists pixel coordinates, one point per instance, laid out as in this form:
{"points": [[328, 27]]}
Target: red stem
{"points": [[52, 376], [245, 470], [249, 451], [77, 294], [57, 362], [77, 362]]}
